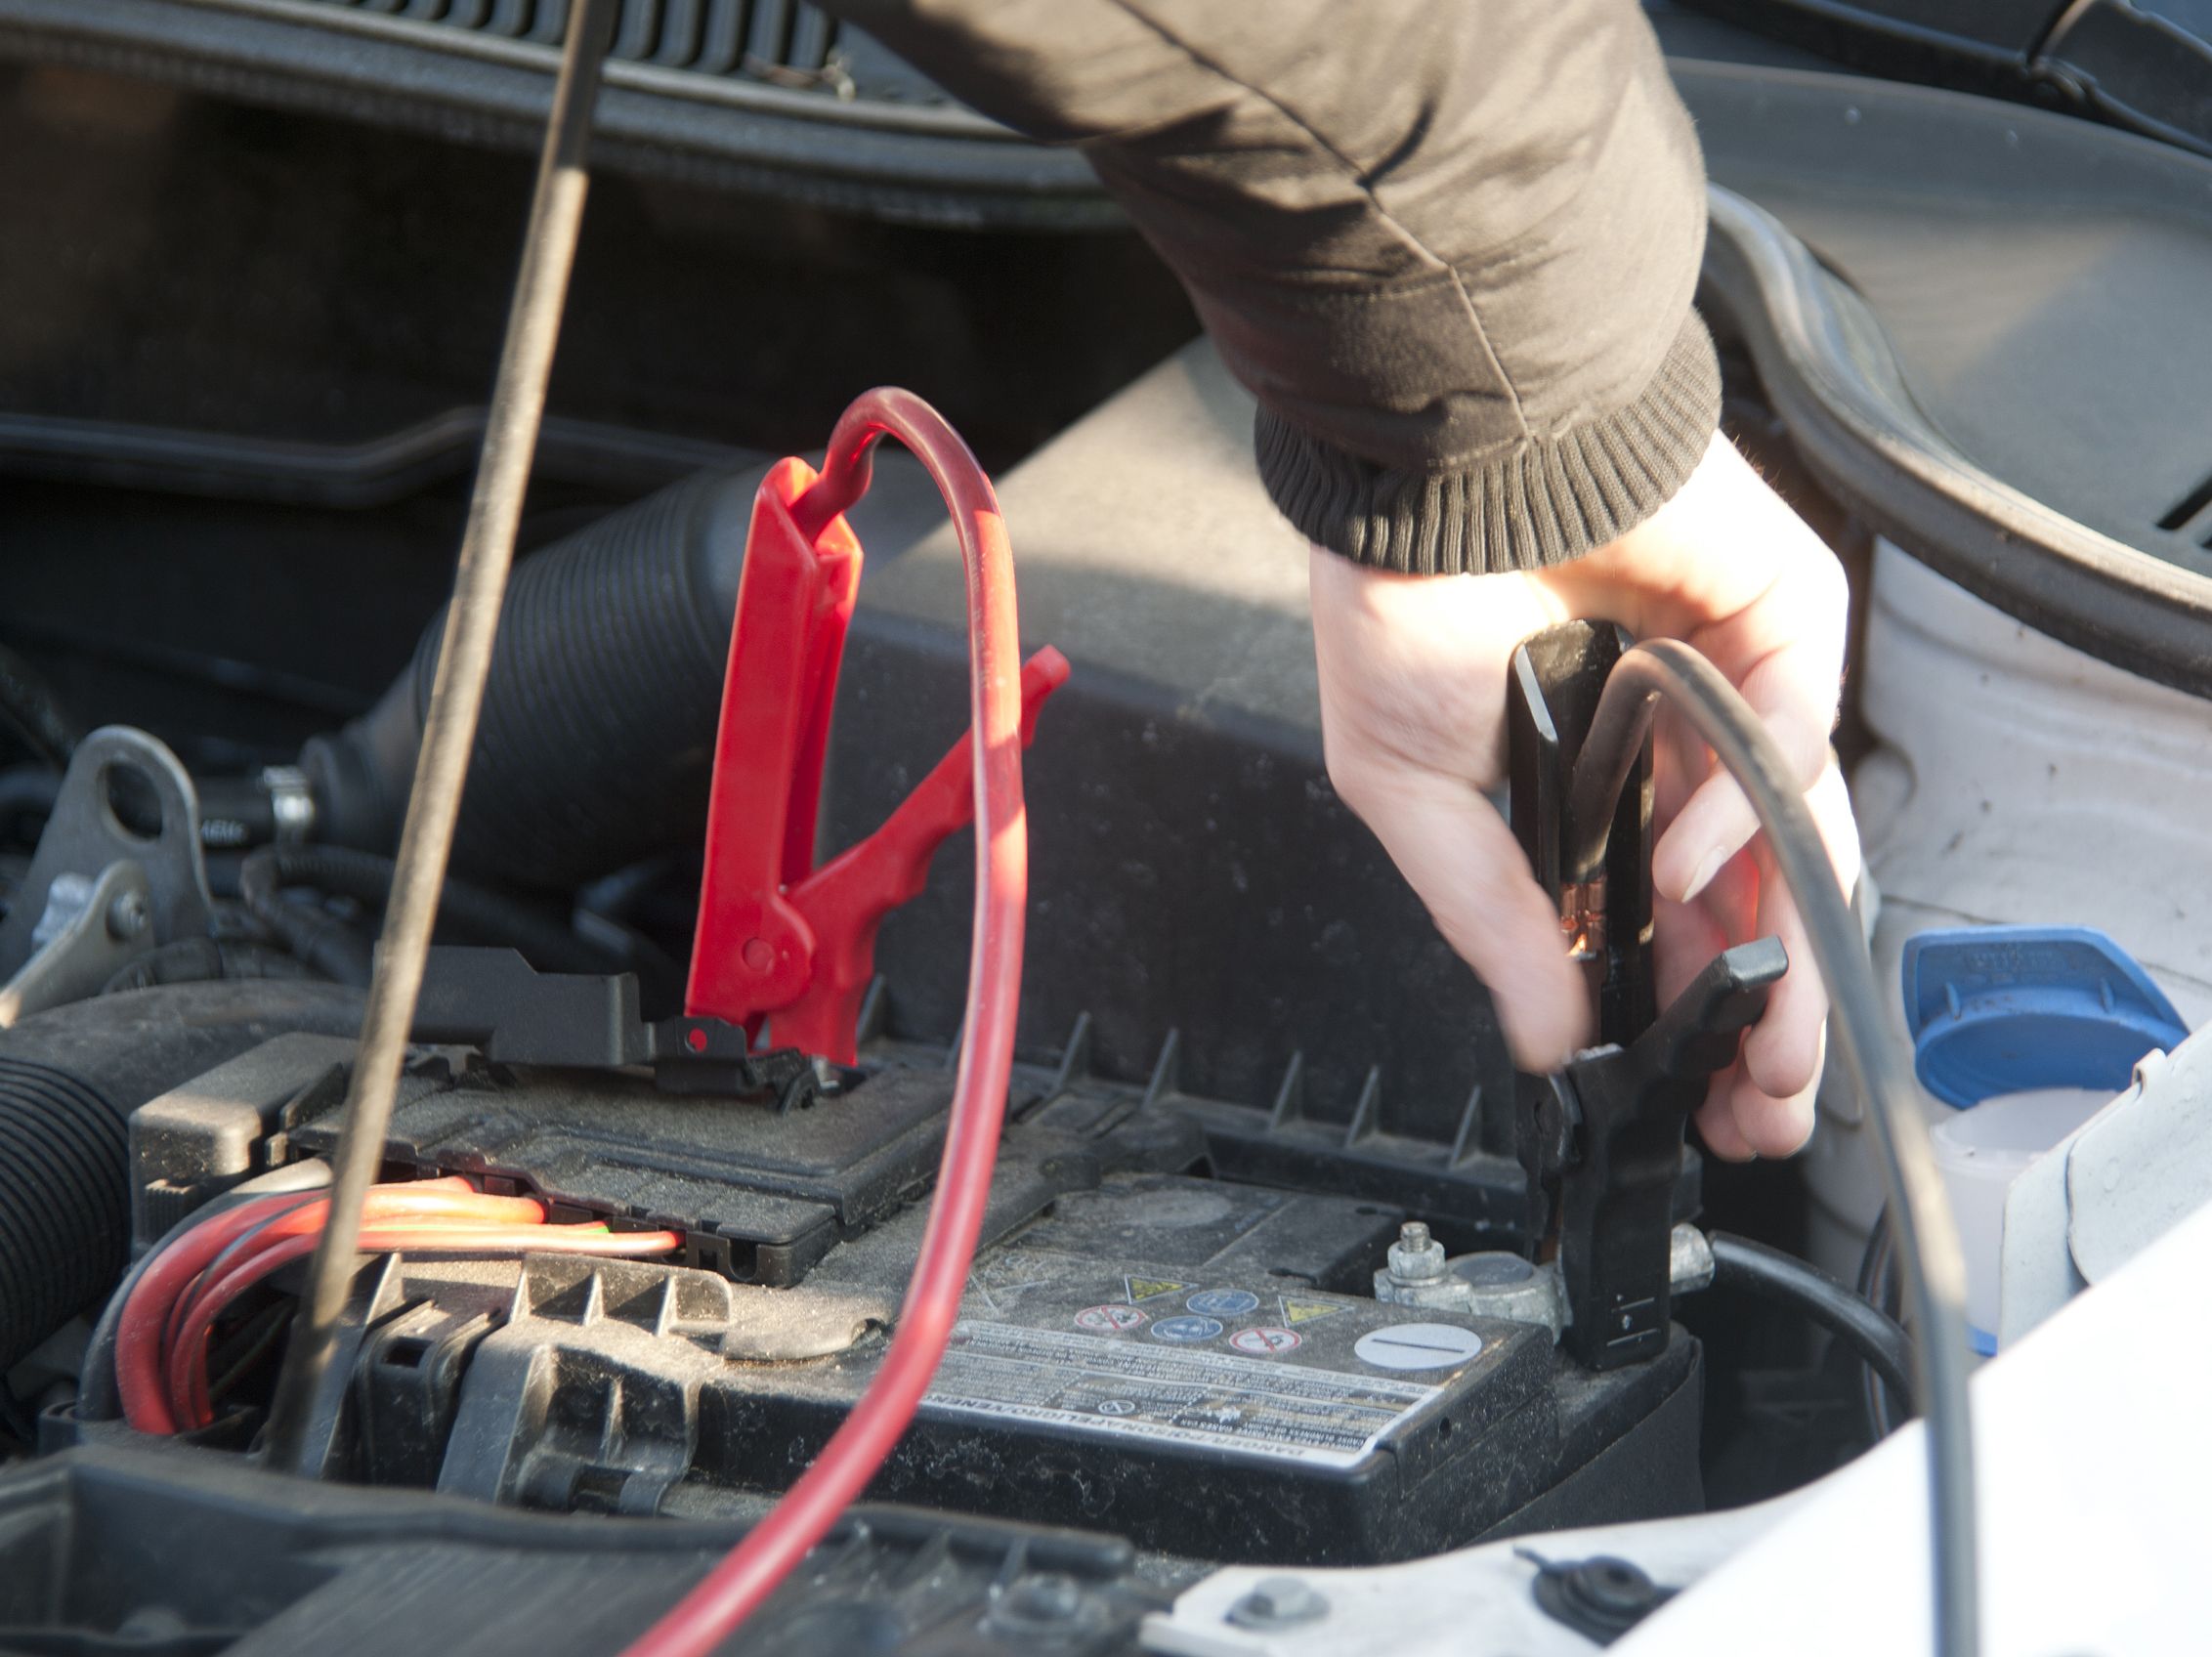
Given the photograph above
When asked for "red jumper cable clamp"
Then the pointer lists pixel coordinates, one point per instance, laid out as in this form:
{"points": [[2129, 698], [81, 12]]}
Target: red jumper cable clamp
{"points": [[780, 939]]}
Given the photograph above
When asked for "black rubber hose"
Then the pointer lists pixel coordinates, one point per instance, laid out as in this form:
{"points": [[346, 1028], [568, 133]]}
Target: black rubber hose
{"points": [[70, 1080], [1878, 1288], [200, 961], [28, 791], [323, 943], [339, 951], [28, 702], [597, 736], [1783, 1280]]}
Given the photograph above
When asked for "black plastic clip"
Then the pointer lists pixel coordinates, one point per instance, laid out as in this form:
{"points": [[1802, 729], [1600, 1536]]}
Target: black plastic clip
{"points": [[1627, 1109], [496, 1001]]}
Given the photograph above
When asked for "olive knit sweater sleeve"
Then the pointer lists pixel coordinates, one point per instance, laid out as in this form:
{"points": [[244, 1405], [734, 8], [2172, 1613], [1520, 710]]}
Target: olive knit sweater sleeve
{"points": [[1450, 245]]}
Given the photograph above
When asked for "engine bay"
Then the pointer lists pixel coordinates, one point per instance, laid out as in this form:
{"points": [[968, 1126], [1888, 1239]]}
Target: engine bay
{"points": [[1278, 1279]]}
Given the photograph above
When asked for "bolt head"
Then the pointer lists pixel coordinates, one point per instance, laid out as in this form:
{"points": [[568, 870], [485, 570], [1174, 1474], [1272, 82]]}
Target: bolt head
{"points": [[128, 915], [1278, 1603], [1046, 1596], [1416, 1256]]}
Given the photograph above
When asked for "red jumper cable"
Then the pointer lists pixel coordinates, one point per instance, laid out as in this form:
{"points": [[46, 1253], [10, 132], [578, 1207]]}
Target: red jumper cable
{"points": [[779, 941], [800, 510]]}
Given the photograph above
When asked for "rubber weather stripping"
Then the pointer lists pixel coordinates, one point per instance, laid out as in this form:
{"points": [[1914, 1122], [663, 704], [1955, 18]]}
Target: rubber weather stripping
{"points": [[457, 697], [1926, 1235], [703, 1618]]}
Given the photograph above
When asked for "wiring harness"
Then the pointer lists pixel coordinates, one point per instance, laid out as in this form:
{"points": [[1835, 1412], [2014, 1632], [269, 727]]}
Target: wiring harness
{"points": [[173, 1306]]}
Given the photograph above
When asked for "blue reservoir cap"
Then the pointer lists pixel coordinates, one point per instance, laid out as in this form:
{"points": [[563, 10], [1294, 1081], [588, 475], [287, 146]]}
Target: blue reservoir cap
{"points": [[2003, 1010]]}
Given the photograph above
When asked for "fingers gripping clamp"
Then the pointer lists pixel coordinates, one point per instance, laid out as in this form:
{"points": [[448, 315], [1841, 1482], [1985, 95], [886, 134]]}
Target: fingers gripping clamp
{"points": [[1602, 1141], [779, 940]]}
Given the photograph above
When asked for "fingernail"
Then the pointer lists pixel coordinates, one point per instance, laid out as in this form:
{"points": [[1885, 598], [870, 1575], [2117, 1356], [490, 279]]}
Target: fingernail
{"points": [[1703, 878]]}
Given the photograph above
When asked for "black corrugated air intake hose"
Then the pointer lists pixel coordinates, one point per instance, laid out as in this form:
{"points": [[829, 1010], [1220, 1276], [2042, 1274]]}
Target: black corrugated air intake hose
{"points": [[598, 729], [70, 1080]]}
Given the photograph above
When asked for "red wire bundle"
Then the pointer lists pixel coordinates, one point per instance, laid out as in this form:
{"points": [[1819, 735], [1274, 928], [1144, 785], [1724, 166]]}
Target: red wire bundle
{"points": [[736, 1588], [161, 1340]]}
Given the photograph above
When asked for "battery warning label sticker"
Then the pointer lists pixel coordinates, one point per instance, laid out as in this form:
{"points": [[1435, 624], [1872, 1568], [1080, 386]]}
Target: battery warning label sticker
{"points": [[1149, 1287], [1168, 1395]]}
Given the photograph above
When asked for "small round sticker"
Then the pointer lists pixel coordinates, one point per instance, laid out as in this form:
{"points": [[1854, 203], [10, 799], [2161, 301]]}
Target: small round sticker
{"points": [[1223, 1303], [1265, 1342], [1418, 1347], [1112, 1319], [1116, 1407], [1186, 1331]]}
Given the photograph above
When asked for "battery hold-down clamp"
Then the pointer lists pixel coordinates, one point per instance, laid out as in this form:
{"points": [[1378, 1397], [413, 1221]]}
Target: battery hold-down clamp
{"points": [[1602, 1141]]}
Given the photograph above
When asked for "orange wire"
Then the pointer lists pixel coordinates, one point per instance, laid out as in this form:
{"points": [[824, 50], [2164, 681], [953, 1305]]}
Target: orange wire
{"points": [[164, 1380], [188, 1356]]}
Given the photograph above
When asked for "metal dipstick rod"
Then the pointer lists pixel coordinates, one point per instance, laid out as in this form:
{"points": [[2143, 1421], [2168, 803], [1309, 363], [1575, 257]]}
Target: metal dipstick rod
{"points": [[456, 696]]}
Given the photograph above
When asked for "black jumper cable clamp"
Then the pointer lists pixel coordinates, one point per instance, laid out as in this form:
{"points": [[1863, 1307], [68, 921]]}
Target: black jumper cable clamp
{"points": [[1602, 1141]]}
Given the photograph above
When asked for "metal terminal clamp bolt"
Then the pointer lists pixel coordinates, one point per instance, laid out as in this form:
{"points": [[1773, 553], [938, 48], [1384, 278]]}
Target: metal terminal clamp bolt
{"points": [[1416, 1256], [1416, 1273]]}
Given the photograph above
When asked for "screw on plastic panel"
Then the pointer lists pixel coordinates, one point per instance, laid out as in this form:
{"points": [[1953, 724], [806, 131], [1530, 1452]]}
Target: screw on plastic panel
{"points": [[1279, 1603], [1048, 1597], [1046, 1610]]}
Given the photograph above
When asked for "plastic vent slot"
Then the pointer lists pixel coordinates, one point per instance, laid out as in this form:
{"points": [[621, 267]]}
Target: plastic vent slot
{"points": [[780, 41]]}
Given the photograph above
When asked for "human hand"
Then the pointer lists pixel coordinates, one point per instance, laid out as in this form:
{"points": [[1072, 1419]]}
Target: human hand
{"points": [[1413, 717]]}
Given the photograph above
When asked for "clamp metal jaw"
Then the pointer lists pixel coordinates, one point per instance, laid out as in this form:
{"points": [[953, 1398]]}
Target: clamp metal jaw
{"points": [[1602, 1141]]}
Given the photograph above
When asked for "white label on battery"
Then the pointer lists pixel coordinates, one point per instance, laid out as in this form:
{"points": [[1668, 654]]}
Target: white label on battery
{"points": [[1418, 1347], [1170, 1395]]}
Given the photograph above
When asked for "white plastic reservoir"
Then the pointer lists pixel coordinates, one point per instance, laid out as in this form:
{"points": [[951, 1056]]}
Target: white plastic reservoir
{"points": [[2018, 781], [1979, 1153]]}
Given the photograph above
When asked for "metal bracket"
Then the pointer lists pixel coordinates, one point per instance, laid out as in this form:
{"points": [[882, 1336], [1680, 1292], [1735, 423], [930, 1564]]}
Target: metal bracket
{"points": [[90, 931], [85, 838]]}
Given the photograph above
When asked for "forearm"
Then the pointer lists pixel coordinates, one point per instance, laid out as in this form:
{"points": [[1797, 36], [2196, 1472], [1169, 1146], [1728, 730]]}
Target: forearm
{"points": [[1448, 248]]}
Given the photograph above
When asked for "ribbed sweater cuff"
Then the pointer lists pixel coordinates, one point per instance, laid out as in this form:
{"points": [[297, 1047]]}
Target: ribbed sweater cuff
{"points": [[1542, 501]]}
